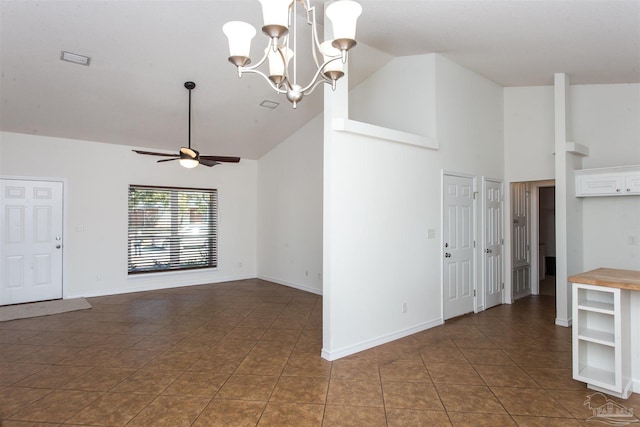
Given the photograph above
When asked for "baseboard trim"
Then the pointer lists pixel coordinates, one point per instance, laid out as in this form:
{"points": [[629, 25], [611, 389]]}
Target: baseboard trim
{"points": [[155, 287], [291, 285], [365, 345], [563, 322]]}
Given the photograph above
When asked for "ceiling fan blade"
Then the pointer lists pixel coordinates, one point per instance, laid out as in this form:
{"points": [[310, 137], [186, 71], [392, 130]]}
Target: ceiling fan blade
{"points": [[153, 153], [226, 159], [167, 160], [208, 162]]}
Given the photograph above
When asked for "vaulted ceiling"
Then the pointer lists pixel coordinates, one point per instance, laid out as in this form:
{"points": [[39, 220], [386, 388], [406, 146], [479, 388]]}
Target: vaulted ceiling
{"points": [[142, 52]]}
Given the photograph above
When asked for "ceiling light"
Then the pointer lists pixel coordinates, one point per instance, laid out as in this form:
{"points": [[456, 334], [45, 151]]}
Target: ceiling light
{"points": [[189, 158], [280, 26], [75, 58], [269, 104], [188, 163]]}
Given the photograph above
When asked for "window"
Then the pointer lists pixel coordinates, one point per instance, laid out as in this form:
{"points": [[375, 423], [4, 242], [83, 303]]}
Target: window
{"points": [[172, 229]]}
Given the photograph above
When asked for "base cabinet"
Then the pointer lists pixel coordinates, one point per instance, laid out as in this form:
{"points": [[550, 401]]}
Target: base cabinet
{"points": [[601, 339]]}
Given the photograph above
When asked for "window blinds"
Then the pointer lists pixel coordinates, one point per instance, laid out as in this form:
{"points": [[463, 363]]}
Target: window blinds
{"points": [[172, 229]]}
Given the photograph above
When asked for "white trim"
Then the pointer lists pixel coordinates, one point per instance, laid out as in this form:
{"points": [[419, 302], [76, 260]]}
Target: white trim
{"points": [[563, 322], [373, 131], [154, 286], [291, 285], [535, 232], [576, 148], [365, 345]]}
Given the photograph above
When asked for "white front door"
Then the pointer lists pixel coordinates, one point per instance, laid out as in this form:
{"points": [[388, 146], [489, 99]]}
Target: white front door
{"points": [[493, 201], [31, 236], [458, 265], [520, 235]]}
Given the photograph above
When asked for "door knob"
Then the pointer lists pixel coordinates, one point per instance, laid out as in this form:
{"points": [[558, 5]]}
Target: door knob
{"points": [[447, 255], [58, 246], [488, 250]]}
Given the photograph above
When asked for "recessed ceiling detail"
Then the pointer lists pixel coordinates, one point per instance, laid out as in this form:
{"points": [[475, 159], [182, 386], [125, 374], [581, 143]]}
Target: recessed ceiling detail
{"points": [[75, 58], [269, 104]]}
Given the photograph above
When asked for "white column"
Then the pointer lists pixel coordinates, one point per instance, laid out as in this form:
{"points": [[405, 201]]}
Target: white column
{"points": [[569, 252], [336, 106]]}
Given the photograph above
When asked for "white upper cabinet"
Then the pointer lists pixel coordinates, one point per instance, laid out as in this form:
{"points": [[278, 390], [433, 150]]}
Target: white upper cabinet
{"points": [[619, 181]]}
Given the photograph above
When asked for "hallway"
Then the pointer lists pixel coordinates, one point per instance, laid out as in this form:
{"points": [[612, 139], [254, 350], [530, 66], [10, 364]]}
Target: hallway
{"points": [[247, 353]]}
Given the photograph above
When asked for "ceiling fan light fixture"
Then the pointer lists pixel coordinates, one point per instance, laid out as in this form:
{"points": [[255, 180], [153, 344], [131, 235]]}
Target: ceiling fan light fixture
{"points": [[188, 163], [189, 158]]}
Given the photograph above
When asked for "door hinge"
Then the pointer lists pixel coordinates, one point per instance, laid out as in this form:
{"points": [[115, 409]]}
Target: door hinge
{"points": [[474, 292], [474, 243], [502, 286], [502, 241], [475, 195]]}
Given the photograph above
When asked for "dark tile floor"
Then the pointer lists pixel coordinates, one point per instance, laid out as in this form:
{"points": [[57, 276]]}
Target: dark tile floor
{"points": [[247, 353]]}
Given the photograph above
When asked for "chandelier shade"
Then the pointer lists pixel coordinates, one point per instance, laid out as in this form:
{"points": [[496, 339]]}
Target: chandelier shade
{"points": [[281, 26], [275, 14], [240, 35], [344, 16], [334, 69], [278, 63]]}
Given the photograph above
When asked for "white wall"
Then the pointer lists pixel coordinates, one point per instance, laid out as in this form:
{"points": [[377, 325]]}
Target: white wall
{"points": [[606, 118], [290, 210], [382, 197], [97, 177], [398, 96], [528, 133]]}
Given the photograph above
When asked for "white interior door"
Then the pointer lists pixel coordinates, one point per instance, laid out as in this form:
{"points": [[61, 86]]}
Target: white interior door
{"points": [[493, 241], [521, 235], [31, 237], [458, 265]]}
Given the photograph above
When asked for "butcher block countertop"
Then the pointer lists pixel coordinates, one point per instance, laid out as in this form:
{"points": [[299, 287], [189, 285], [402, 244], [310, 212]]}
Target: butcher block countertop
{"points": [[609, 277]]}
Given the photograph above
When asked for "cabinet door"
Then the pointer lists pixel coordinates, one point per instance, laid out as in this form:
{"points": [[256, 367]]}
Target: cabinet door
{"points": [[600, 185], [632, 183]]}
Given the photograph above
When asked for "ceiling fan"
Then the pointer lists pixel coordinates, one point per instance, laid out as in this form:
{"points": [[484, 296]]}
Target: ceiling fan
{"points": [[188, 157]]}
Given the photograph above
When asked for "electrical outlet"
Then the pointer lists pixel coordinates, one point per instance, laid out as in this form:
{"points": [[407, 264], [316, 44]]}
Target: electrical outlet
{"points": [[404, 307]]}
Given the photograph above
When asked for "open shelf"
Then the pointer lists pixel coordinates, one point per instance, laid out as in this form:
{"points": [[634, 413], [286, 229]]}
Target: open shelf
{"points": [[597, 306], [601, 338], [598, 376], [598, 337], [598, 301]]}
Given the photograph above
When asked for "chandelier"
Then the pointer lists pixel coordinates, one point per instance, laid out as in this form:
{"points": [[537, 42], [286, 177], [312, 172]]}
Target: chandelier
{"points": [[280, 26]]}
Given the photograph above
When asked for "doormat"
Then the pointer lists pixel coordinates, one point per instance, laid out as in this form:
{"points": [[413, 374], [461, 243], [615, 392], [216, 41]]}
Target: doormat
{"points": [[45, 308]]}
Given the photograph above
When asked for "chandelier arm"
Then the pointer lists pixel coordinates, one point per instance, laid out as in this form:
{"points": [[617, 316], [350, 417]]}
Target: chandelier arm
{"points": [[243, 69], [294, 25], [321, 80], [318, 74], [315, 43], [260, 73]]}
